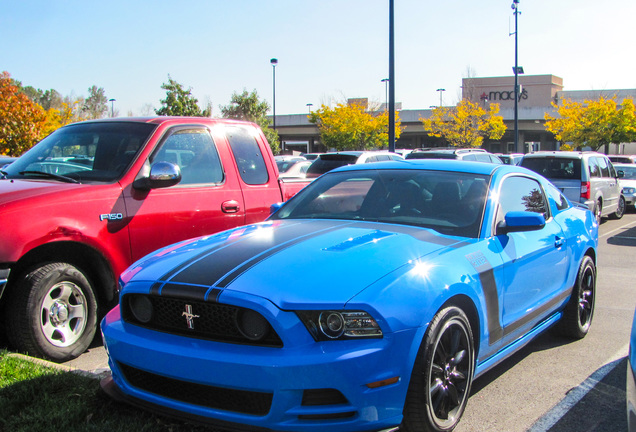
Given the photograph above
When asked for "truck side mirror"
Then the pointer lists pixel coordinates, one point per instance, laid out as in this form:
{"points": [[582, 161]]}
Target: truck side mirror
{"points": [[159, 175]]}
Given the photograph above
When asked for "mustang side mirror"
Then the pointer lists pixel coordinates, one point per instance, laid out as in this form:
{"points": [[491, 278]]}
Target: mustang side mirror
{"points": [[275, 207], [159, 175], [518, 221]]}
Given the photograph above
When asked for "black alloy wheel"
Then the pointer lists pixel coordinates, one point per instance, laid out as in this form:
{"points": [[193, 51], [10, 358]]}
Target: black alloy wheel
{"points": [[578, 313]]}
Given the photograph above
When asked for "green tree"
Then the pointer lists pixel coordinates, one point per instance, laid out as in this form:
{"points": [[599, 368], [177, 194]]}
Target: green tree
{"points": [[594, 123], [96, 104], [180, 102], [465, 125], [248, 106], [352, 127], [21, 120]]}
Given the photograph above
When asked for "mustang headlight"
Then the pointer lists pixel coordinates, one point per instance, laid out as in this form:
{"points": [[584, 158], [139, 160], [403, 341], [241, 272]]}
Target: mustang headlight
{"points": [[337, 325]]}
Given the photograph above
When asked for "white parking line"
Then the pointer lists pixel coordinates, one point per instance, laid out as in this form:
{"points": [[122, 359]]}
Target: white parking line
{"points": [[617, 229], [552, 417]]}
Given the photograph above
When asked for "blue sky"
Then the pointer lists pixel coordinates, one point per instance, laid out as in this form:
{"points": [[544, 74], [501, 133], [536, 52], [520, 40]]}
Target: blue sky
{"points": [[327, 50]]}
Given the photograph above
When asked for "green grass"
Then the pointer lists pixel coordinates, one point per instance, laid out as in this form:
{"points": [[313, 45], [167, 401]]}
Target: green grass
{"points": [[37, 398]]}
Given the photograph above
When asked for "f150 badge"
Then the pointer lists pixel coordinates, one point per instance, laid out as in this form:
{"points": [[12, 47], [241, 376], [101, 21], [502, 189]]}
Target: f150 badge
{"points": [[111, 216]]}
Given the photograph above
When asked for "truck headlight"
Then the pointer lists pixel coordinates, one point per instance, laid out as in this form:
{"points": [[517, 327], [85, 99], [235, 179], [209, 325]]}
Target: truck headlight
{"points": [[338, 325]]}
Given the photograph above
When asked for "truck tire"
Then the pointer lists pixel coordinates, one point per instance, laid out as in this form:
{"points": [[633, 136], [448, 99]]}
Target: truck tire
{"points": [[52, 312]]}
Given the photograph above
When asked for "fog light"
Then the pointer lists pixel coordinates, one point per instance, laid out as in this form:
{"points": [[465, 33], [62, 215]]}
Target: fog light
{"points": [[252, 325], [141, 308]]}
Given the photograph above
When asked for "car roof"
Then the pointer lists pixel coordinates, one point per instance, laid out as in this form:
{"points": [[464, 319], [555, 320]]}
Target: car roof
{"points": [[483, 168], [565, 154]]}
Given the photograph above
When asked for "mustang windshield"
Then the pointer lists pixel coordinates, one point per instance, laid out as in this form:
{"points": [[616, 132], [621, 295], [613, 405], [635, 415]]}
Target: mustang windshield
{"points": [[83, 152], [449, 202]]}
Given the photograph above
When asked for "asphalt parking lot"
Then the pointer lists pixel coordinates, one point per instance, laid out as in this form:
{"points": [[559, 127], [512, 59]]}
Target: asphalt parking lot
{"points": [[553, 384]]}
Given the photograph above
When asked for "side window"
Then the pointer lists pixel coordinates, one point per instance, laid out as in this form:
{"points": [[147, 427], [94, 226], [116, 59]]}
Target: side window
{"points": [[602, 162], [482, 157], [195, 153], [247, 153], [595, 170], [559, 199], [470, 157], [612, 170], [521, 194]]}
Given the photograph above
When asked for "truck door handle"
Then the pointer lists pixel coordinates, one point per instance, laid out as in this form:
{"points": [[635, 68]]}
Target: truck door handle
{"points": [[230, 206], [558, 242]]}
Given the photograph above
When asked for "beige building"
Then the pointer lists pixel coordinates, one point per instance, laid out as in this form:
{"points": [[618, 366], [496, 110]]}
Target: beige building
{"points": [[536, 95]]}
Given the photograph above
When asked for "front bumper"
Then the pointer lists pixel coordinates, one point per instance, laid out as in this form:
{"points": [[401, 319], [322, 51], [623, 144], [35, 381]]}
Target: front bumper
{"points": [[630, 199], [300, 383]]}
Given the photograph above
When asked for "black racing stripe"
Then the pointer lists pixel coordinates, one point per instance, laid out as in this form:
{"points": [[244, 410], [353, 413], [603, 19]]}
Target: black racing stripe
{"points": [[189, 292], [213, 295], [489, 285], [510, 328], [210, 268], [418, 233]]}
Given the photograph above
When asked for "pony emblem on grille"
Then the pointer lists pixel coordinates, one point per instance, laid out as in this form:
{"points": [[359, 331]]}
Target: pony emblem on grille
{"points": [[189, 316]]}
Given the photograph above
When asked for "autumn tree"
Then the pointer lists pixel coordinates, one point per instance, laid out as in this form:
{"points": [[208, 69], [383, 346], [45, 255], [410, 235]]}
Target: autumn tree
{"points": [[352, 127], [593, 123], [20, 119], [465, 125], [180, 102], [248, 106]]}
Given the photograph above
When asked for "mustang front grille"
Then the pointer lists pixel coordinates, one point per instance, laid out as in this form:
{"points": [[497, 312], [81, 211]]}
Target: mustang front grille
{"points": [[199, 319], [241, 401]]}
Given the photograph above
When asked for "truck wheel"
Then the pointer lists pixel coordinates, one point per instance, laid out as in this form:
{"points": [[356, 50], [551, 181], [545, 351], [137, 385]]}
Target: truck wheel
{"points": [[53, 312]]}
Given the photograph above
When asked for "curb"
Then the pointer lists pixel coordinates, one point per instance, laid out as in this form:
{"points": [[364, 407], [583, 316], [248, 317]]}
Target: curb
{"points": [[97, 373]]}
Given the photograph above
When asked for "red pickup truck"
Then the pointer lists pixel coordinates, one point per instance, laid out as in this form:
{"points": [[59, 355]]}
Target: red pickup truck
{"points": [[93, 197]]}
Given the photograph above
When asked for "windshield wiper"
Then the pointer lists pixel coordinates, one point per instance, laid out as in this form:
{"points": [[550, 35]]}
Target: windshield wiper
{"points": [[49, 175]]}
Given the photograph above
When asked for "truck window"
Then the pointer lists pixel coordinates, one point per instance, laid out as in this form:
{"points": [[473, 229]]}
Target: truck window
{"points": [[195, 153], [247, 153]]}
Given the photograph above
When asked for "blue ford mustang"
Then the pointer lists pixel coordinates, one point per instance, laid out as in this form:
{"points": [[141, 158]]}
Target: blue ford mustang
{"points": [[370, 301]]}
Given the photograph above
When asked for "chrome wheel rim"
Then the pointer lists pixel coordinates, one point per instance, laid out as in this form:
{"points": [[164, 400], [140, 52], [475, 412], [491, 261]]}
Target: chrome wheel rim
{"points": [[63, 314]]}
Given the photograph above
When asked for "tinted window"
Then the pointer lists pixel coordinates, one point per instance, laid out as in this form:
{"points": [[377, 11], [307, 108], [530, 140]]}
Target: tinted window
{"points": [[448, 202], [195, 153], [85, 151], [595, 169], [247, 153], [326, 163], [559, 199], [430, 155], [602, 163], [521, 194], [554, 167]]}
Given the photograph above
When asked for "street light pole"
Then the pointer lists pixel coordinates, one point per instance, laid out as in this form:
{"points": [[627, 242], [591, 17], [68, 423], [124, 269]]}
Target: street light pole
{"points": [[309, 105], [386, 94], [274, 62], [391, 79], [112, 109], [516, 12], [441, 91]]}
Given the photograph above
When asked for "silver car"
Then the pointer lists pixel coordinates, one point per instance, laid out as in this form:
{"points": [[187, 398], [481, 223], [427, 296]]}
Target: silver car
{"points": [[628, 183], [585, 177]]}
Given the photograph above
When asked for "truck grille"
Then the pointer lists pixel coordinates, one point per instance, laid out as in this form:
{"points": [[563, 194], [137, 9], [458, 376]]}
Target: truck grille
{"points": [[241, 401], [197, 319]]}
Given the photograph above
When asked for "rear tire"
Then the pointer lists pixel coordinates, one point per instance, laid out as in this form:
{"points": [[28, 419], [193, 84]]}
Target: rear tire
{"points": [[578, 313], [52, 312], [442, 375]]}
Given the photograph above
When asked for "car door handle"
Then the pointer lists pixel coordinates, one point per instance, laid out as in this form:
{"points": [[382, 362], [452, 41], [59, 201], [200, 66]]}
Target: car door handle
{"points": [[230, 206], [558, 242]]}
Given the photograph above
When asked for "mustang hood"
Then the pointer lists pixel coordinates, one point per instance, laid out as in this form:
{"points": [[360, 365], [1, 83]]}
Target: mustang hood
{"points": [[290, 263]]}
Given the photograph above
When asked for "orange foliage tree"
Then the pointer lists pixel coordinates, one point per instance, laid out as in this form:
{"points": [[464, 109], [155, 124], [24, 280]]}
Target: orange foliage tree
{"points": [[21, 120]]}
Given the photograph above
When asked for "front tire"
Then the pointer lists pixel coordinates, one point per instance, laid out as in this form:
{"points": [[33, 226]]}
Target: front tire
{"points": [[578, 313], [52, 312], [620, 210], [442, 374]]}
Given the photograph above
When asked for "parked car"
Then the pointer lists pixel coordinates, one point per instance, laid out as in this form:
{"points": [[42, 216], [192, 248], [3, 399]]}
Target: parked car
{"points": [[310, 156], [93, 197], [624, 159], [585, 177], [417, 277], [510, 158], [467, 154], [6, 160], [328, 161], [293, 169], [628, 183]]}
